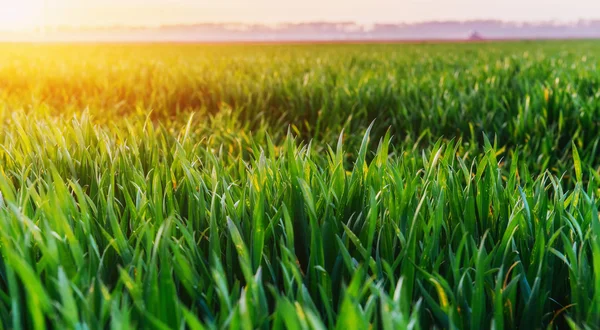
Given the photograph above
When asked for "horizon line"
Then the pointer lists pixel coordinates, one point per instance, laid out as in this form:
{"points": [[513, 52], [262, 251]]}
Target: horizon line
{"points": [[553, 22]]}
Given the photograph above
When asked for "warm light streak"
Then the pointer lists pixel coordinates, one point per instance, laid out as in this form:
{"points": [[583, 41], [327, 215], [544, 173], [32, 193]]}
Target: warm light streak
{"points": [[21, 15]]}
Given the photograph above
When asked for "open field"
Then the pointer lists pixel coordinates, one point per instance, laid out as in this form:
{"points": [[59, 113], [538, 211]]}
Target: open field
{"points": [[300, 186]]}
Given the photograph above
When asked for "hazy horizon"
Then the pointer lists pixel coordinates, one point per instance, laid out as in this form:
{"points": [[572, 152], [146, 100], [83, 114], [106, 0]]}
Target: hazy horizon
{"points": [[32, 14], [316, 31], [300, 22]]}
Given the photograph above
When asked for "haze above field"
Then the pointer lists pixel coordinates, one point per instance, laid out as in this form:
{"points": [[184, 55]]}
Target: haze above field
{"points": [[31, 13], [315, 31], [204, 20]]}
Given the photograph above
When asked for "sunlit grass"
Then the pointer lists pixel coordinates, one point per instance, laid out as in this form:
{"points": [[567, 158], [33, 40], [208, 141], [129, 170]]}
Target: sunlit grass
{"points": [[389, 186]]}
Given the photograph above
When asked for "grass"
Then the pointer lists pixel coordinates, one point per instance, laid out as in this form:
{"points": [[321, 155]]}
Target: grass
{"points": [[346, 186]]}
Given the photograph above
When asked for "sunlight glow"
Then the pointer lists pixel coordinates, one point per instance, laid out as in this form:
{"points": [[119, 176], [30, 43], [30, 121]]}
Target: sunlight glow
{"points": [[29, 15], [20, 15]]}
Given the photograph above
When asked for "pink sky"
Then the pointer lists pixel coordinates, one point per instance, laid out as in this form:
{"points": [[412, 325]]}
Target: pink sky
{"points": [[23, 14]]}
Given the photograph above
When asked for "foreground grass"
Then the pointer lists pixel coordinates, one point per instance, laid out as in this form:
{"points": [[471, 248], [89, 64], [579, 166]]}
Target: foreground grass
{"points": [[382, 186], [142, 227]]}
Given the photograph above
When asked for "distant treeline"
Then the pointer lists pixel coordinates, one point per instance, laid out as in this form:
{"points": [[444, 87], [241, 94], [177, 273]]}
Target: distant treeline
{"points": [[321, 31]]}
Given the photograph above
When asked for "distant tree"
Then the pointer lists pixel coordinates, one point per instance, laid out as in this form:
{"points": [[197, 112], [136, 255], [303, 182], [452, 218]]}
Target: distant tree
{"points": [[475, 36]]}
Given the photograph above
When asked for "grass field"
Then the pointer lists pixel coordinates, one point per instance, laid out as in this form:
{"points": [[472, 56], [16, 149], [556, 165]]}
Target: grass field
{"points": [[300, 187]]}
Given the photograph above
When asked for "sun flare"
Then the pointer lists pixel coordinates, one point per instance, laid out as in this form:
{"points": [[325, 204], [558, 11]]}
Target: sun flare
{"points": [[19, 15]]}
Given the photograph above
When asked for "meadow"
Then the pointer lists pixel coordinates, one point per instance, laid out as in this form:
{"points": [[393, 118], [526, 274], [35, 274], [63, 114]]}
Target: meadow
{"points": [[400, 186]]}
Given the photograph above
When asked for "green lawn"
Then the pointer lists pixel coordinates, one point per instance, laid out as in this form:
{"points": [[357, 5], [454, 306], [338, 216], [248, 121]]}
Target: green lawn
{"points": [[300, 187]]}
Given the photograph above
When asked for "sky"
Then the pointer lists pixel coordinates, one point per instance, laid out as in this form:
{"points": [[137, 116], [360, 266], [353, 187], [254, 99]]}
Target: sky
{"points": [[28, 14]]}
